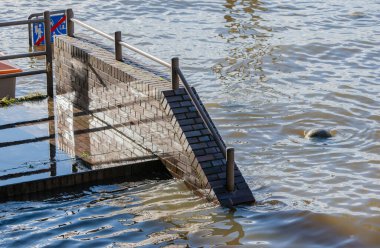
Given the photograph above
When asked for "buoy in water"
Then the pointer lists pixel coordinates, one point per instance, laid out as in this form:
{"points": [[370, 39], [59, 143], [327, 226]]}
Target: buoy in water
{"points": [[318, 134]]}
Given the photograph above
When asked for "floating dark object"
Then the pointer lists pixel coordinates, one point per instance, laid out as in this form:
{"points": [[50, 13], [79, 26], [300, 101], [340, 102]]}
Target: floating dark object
{"points": [[318, 134]]}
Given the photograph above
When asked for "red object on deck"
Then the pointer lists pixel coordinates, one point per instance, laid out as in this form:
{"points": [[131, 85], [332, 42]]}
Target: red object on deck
{"points": [[6, 68]]}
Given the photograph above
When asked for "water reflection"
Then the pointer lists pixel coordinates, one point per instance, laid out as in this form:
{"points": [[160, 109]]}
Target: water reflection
{"points": [[232, 228], [52, 142], [29, 169], [285, 67], [250, 48]]}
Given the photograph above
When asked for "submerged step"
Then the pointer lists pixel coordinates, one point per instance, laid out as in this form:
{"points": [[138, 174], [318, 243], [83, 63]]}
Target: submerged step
{"points": [[151, 169]]}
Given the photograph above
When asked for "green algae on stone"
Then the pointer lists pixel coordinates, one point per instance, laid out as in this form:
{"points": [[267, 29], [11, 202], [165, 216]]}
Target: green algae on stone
{"points": [[35, 96], [84, 155]]}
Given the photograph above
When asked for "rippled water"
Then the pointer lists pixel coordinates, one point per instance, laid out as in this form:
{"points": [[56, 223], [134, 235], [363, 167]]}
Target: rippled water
{"points": [[267, 71]]}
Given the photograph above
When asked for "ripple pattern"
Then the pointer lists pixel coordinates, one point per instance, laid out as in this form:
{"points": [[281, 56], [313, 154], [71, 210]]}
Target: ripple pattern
{"points": [[267, 71]]}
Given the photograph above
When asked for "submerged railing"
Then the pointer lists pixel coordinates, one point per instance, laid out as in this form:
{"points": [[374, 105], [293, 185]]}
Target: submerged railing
{"points": [[48, 52]]}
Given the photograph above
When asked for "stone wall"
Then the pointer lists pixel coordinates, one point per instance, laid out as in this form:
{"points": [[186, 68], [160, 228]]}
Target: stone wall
{"points": [[142, 108]]}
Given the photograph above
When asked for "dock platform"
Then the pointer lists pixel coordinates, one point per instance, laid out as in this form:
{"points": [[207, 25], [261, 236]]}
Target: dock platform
{"points": [[116, 118]]}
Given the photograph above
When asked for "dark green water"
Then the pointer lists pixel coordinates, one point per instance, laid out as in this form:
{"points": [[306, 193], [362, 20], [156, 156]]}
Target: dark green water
{"points": [[267, 71]]}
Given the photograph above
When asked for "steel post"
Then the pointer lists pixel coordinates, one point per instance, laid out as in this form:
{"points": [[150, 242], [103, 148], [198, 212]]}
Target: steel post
{"points": [[70, 23], [49, 54], [30, 34], [230, 169], [118, 47], [175, 78]]}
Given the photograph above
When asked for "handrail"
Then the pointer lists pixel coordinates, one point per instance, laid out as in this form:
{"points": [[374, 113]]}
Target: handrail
{"points": [[47, 53], [201, 112], [22, 74], [93, 29], [15, 23], [176, 72], [147, 55], [23, 55], [124, 44], [42, 13]]}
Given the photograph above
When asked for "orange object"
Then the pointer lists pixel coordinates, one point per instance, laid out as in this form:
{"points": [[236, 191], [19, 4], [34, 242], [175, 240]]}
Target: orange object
{"points": [[6, 68], [8, 85]]}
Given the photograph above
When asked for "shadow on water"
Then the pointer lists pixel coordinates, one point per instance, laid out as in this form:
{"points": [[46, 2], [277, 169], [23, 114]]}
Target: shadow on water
{"points": [[247, 37], [76, 141], [28, 168]]}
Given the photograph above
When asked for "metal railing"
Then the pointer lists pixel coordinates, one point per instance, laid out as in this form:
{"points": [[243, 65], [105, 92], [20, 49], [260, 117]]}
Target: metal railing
{"points": [[176, 75], [176, 71], [48, 53], [117, 39]]}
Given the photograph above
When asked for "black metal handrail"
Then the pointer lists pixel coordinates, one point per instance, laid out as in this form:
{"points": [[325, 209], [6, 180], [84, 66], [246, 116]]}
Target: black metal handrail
{"points": [[22, 55], [22, 74], [17, 23], [201, 112], [48, 53]]}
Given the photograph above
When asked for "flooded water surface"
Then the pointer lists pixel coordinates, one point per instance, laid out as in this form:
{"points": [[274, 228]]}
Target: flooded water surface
{"points": [[267, 72]]}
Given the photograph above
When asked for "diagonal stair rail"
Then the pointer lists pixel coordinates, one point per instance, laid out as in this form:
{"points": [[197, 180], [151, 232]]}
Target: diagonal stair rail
{"points": [[176, 75]]}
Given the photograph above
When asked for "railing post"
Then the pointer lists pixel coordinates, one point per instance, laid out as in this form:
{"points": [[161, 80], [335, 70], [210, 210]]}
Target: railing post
{"points": [[175, 79], [118, 47], [49, 55], [230, 169], [30, 34], [70, 24]]}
